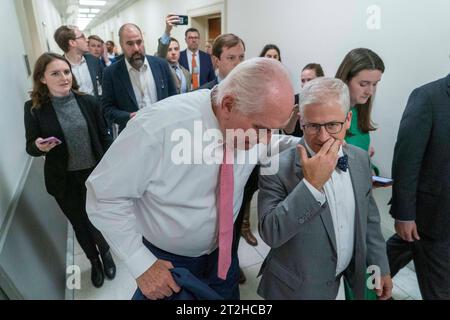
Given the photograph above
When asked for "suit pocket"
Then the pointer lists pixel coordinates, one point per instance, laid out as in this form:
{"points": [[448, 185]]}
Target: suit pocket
{"points": [[286, 276]]}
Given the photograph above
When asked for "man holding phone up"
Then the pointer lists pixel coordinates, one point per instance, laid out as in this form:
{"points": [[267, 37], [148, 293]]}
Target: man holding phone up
{"points": [[196, 61], [169, 49]]}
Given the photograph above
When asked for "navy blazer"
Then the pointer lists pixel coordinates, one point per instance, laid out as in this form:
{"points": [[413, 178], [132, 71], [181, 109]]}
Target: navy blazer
{"points": [[421, 162], [119, 100], [44, 123], [207, 73], [96, 71], [192, 288]]}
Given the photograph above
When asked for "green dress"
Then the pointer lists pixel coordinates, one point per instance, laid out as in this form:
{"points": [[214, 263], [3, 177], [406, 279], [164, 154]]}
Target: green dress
{"points": [[362, 140], [357, 137]]}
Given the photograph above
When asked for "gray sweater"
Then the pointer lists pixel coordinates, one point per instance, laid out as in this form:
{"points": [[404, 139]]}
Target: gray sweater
{"points": [[76, 133]]}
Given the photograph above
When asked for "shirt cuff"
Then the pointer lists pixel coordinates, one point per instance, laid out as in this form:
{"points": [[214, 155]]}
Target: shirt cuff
{"points": [[165, 39], [108, 63], [318, 195], [404, 220], [140, 261]]}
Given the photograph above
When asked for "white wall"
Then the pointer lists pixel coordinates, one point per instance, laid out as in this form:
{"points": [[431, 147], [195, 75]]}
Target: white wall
{"points": [[413, 41], [150, 16], [15, 85], [48, 20]]}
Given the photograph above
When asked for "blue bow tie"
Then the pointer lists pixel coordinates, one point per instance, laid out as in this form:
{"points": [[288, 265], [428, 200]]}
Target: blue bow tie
{"points": [[343, 163]]}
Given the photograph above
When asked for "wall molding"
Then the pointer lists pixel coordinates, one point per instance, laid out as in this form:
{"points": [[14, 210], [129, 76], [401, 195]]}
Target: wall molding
{"points": [[10, 212]]}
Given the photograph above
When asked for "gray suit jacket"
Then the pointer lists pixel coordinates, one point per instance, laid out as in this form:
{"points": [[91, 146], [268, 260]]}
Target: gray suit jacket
{"points": [[302, 261], [162, 53], [421, 163]]}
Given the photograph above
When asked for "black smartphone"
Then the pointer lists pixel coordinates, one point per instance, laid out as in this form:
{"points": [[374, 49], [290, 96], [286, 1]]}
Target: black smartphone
{"points": [[184, 20]]}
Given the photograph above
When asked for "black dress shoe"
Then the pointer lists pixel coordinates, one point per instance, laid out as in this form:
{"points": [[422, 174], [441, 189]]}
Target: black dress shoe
{"points": [[108, 265], [242, 277], [97, 276]]}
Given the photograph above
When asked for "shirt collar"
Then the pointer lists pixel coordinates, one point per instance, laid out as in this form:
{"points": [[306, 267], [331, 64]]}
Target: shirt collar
{"points": [[144, 67], [83, 60]]}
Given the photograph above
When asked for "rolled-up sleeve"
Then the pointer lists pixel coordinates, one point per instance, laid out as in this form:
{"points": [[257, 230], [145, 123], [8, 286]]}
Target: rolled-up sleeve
{"points": [[118, 181]]}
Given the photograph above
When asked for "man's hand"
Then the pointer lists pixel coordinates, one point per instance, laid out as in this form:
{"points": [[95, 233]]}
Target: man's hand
{"points": [[385, 292], [318, 169], [371, 151], [157, 282], [132, 115], [171, 21], [105, 55], [407, 230]]}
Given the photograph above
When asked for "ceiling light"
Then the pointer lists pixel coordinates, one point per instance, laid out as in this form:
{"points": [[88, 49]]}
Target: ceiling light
{"points": [[92, 3], [95, 10], [82, 15], [91, 15], [84, 10]]}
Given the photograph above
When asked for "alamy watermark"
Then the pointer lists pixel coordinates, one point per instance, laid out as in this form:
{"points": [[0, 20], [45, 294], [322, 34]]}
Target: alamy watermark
{"points": [[206, 146]]}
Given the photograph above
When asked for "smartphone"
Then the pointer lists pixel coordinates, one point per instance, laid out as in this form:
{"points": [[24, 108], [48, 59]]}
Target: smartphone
{"points": [[50, 140], [381, 181], [184, 20]]}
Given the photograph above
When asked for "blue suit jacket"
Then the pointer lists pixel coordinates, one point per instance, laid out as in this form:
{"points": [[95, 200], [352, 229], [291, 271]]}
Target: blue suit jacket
{"points": [[207, 73], [192, 288], [119, 100], [421, 162], [96, 71]]}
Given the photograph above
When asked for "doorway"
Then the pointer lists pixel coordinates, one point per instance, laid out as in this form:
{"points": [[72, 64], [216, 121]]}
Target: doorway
{"points": [[209, 21]]}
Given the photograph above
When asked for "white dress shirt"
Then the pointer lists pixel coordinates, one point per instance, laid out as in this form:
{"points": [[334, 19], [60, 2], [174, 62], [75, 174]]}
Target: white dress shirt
{"points": [[189, 54], [341, 201], [137, 189], [143, 83], [83, 76]]}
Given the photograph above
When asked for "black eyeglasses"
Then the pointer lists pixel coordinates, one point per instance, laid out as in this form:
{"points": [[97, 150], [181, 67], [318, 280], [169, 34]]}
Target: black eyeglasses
{"points": [[81, 37], [331, 127]]}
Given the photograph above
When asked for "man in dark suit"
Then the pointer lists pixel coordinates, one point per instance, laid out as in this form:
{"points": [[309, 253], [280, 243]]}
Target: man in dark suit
{"points": [[228, 52], [421, 190], [196, 61], [135, 82], [317, 213], [87, 69]]}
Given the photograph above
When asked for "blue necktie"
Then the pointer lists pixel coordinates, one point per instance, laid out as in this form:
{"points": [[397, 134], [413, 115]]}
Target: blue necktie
{"points": [[343, 163]]}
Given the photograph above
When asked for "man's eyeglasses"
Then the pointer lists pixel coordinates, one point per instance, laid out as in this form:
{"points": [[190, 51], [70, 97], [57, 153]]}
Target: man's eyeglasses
{"points": [[81, 37], [330, 127]]}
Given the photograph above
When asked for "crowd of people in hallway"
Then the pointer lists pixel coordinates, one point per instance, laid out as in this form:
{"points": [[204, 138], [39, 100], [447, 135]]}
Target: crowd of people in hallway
{"points": [[107, 124]]}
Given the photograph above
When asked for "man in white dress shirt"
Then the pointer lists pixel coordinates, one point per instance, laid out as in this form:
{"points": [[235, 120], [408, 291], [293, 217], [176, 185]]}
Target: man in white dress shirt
{"points": [[317, 212], [145, 187]]}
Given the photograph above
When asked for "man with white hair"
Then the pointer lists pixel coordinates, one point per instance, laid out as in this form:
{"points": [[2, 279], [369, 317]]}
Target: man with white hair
{"points": [[177, 206], [317, 212]]}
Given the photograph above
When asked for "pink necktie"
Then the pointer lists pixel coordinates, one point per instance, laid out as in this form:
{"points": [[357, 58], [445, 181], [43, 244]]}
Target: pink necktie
{"points": [[226, 189]]}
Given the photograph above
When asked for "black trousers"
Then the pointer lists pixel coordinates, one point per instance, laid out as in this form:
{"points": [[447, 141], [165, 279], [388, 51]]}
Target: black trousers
{"points": [[431, 261], [73, 205], [250, 188]]}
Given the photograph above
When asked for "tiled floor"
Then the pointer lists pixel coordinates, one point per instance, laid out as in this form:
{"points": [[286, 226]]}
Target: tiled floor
{"points": [[251, 258]]}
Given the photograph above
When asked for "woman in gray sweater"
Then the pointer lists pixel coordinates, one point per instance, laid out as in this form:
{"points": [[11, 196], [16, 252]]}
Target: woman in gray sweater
{"points": [[67, 127]]}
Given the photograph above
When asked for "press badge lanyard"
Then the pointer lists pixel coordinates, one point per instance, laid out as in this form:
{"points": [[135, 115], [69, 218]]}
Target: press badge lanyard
{"points": [[141, 88]]}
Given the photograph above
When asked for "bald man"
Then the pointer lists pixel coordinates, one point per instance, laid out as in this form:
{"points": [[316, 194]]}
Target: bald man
{"points": [[138, 81]]}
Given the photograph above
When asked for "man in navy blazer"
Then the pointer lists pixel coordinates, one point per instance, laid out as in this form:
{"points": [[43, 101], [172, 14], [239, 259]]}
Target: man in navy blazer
{"points": [[205, 70], [135, 82], [86, 68], [421, 190]]}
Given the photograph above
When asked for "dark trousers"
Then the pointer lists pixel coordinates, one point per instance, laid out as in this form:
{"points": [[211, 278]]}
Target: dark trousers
{"points": [[73, 205], [431, 261], [250, 188], [204, 268]]}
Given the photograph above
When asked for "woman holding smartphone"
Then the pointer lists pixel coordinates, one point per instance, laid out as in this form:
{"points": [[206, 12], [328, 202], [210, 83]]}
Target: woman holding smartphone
{"points": [[68, 128]]}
